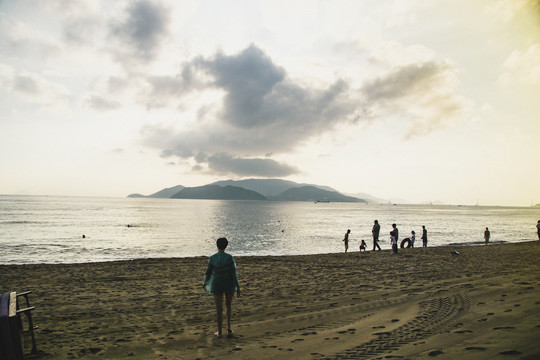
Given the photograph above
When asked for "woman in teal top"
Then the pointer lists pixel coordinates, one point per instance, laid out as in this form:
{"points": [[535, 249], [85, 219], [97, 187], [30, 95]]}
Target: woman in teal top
{"points": [[221, 278]]}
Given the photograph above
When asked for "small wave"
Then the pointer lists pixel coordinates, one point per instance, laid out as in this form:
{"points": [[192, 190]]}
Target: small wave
{"points": [[20, 222], [473, 243]]}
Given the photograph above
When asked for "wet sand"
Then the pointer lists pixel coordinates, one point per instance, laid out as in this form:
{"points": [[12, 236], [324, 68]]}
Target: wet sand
{"points": [[418, 304]]}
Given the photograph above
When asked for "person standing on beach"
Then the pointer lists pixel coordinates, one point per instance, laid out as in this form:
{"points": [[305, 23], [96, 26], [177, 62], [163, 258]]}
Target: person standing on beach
{"points": [[393, 242], [538, 229], [413, 237], [395, 232], [424, 236], [375, 231], [221, 278], [487, 235], [346, 239]]}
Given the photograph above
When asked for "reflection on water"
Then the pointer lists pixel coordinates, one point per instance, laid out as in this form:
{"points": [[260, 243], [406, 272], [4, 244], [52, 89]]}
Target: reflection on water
{"points": [[51, 229]]}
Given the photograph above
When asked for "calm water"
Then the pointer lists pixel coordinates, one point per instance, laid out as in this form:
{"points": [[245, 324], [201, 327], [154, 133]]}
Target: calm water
{"points": [[40, 229]]}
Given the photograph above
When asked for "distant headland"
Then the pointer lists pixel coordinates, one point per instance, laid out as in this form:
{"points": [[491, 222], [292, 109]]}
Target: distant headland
{"points": [[254, 189]]}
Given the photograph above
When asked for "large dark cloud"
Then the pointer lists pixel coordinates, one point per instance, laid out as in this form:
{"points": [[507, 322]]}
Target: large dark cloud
{"points": [[137, 37], [226, 164], [263, 111]]}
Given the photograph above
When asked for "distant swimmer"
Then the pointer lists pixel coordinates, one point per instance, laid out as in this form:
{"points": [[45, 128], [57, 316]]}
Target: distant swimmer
{"points": [[84, 236], [346, 239], [487, 235]]}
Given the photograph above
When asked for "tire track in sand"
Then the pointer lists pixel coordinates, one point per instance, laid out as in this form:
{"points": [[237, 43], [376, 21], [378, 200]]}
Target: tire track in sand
{"points": [[435, 315]]}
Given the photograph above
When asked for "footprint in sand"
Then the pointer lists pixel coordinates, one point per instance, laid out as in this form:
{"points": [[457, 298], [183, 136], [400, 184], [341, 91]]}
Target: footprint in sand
{"points": [[510, 352], [395, 320], [504, 328], [475, 348], [436, 353], [463, 331]]}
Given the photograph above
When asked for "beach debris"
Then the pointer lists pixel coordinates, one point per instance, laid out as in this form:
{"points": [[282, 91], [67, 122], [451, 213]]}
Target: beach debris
{"points": [[454, 252]]}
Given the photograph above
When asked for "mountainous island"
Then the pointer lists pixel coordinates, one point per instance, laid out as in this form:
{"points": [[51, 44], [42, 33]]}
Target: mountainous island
{"points": [[254, 189]]}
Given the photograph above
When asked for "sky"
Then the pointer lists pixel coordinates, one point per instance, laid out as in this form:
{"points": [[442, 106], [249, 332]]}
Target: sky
{"points": [[412, 100]]}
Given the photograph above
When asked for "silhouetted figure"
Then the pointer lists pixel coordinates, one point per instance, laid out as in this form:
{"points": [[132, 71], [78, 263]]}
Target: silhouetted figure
{"points": [[221, 278], [424, 236], [363, 246], [346, 240], [538, 229], [413, 237], [375, 231], [487, 235], [395, 232], [393, 242]]}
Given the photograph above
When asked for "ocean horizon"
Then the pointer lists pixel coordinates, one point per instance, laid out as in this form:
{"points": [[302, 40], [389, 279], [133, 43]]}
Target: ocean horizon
{"points": [[67, 229]]}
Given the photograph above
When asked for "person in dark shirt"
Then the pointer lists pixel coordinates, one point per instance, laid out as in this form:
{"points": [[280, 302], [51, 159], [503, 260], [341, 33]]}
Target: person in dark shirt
{"points": [[424, 236], [221, 278], [346, 240], [375, 231]]}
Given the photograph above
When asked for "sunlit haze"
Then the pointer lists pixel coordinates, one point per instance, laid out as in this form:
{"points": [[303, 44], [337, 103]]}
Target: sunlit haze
{"points": [[416, 101]]}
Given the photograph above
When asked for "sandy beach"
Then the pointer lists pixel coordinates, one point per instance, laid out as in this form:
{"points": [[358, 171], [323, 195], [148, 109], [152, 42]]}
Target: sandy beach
{"points": [[419, 304]]}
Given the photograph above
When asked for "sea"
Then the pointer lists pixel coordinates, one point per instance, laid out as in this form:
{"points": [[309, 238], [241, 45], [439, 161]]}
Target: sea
{"points": [[56, 229]]}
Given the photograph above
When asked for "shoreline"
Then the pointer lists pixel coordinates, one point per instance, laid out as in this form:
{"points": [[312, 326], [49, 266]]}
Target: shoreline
{"points": [[352, 250], [419, 304]]}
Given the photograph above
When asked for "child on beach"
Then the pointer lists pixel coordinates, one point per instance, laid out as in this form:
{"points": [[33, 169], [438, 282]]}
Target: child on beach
{"points": [[363, 246], [393, 241], [413, 237], [221, 279]]}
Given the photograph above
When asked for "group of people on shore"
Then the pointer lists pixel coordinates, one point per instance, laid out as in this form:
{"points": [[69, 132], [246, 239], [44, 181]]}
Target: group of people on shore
{"points": [[221, 279], [394, 238]]}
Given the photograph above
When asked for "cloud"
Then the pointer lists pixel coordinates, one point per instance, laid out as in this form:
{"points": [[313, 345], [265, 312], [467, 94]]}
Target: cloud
{"points": [[262, 111], [33, 88], [99, 103], [137, 37], [522, 66], [82, 30], [421, 93], [225, 164], [22, 40], [160, 90]]}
